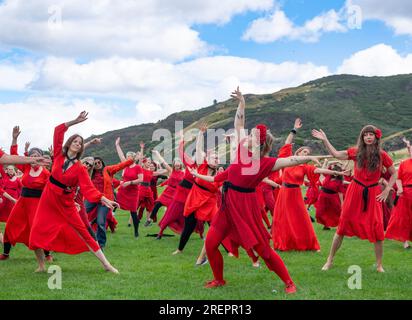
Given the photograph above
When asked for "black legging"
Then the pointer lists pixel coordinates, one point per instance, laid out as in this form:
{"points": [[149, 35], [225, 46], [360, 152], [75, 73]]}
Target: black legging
{"points": [[156, 208], [190, 225], [7, 249], [136, 222]]}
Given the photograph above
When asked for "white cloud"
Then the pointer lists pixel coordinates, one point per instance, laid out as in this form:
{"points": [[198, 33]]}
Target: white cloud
{"points": [[16, 77], [379, 60], [101, 28], [397, 14], [278, 26]]}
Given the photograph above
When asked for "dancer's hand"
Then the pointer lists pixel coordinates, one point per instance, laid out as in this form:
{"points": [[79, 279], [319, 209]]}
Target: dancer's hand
{"points": [[117, 143], [96, 141], [399, 192], [109, 203], [319, 134], [237, 95], [142, 145], [26, 146], [51, 150], [40, 161], [383, 195], [193, 171], [16, 132], [298, 124], [77, 207], [80, 118], [203, 127]]}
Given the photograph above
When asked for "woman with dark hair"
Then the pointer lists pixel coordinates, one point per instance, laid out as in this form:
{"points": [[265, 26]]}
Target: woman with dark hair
{"points": [[362, 211], [292, 228], [400, 223], [34, 179], [329, 204], [57, 225], [239, 221]]}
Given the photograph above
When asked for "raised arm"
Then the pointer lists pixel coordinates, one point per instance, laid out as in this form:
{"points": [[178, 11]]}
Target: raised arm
{"points": [[92, 142], [239, 123], [187, 161], [295, 160], [320, 135], [408, 146], [163, 161], [142, 145], [200, 154], [292, 134], [119, 150]]}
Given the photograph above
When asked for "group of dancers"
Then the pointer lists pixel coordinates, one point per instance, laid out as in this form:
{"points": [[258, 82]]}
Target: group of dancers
{"points": [[65, 203]]}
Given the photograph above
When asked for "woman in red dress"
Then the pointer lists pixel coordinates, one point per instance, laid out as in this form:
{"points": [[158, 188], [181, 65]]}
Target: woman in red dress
{"points": [[292, 228], [57, 225], [128, 192], [239, 221], [173, 217], [11, 186], [329, 204], [400, 223], [201, 204], [176, 174], [362, 211], [34, 179]]}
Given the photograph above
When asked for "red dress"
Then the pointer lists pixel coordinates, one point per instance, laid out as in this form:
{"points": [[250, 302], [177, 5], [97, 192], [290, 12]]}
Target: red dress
{"points": [[168, 193], [128, 197], [19, 223], [145, 194], [153, 186], [239, 218], [173, 217], [400, 223], [292, 228], [269, 192], [328, 207], [13, 188], [355, 220], [57, 225], [202, 199]]}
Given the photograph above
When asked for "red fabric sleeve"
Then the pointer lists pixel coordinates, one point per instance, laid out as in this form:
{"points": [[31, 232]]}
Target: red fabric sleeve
{"points": [[187, 161], [116, 183], [285, 151], [352, 153], [222, 177], [310, 173], [386, 160], [1, 153], [111, 170], [87, 188], [58, 139]]}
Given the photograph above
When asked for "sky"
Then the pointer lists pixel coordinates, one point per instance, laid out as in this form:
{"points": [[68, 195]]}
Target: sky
{"points": [[136, 61]]}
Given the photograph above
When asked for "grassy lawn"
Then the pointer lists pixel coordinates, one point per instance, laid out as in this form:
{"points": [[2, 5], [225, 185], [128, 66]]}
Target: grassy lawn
{"points": [[149, 271]]}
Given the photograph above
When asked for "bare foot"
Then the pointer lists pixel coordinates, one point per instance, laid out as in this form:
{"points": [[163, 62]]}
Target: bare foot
{"points": [[380, 269], [406, 245], [110, 268], [256, 264], [327, 266], [230, 254], [177, 252], [1, 237], [40, 270]]}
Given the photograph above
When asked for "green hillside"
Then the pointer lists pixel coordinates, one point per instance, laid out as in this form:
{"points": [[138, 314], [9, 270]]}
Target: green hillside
{"points": [[341, 105]]}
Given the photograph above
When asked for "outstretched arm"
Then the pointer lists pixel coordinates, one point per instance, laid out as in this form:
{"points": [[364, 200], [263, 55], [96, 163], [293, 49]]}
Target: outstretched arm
{"points": [[120, 151], [163, 161], [93, 141], [320, 135], [296, 127], [295, 160], [200, 154]]}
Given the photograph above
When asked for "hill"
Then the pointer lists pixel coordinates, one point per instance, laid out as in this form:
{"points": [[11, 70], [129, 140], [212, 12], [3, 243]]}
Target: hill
{"points": [[341, 105]]}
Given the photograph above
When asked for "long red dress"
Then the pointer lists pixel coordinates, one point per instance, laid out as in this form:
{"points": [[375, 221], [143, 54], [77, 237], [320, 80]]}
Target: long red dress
{"points": [[328, 207], [168, 193], [128, 197], [19, 223], [173, 217], [355, 220], [145, 194], [13, 188], [400, 223], [202, 199], [291, 227], [57, 225]]}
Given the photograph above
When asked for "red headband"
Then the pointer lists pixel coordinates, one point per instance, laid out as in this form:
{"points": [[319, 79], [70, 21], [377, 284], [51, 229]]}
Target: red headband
{"points": [[263, 132]]}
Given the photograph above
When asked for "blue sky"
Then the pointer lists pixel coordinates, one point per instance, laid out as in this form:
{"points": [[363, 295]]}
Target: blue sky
{"points": [[132, 62]]}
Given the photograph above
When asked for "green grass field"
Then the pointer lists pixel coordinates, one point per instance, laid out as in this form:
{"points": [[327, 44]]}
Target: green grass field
{"points": [[149, 271]]}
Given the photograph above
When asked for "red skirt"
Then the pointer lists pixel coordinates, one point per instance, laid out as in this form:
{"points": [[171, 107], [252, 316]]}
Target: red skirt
{"points": [[328, 209], [20, 221], [58, 227], [269, 197], [240, 219], [292, 228], [312, 195], [400, 223], [127, 198], [145, 198], [175, 220], [354, 221], [5, 209], [167, 195], [202, 203]]}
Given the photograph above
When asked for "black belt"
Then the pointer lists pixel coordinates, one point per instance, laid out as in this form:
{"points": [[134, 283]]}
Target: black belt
{"points": [[66, 189], [365, 193], [290, 185], [145, 184], [202, 187], [328, 191], [395, 202], [31, 193], [186, 184], [228, 185], [407, 186], [153, 184]]}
